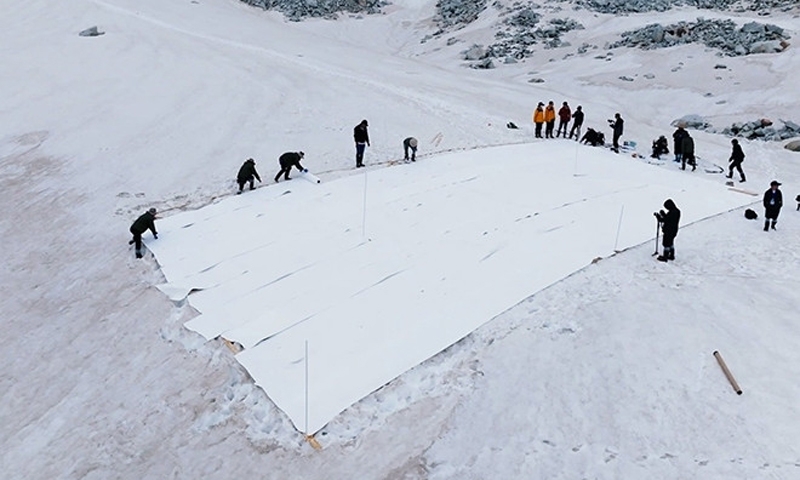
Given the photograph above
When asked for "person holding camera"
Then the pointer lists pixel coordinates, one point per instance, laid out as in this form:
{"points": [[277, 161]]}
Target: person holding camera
{"points": [[669, 228], [616, 125]]}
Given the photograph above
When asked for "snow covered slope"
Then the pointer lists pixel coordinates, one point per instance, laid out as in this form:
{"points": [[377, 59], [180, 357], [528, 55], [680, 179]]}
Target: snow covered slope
{"points": [[606, 374]]}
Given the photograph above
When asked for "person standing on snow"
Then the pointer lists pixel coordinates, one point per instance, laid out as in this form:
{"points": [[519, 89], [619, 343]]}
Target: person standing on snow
{"points": [[577, 121], [287, 161], [410, 143], [773, 201], [247, 173], [677, 139], [145, 222], [617, 126], [361, 137], [549, 119], [669, 227], [687, 152], [538, 119], [737, 157], [564, 116]]}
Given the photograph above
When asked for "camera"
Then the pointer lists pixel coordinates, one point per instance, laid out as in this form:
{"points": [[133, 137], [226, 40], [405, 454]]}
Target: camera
{"points": [[659, 215]]}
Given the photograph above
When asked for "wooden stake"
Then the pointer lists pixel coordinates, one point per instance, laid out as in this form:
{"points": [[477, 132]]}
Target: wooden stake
{"points": [[313, 442], [727, 373]]}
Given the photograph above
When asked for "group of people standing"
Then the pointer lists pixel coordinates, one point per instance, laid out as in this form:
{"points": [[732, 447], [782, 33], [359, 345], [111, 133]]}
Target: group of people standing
{"points": [[545, 116]]}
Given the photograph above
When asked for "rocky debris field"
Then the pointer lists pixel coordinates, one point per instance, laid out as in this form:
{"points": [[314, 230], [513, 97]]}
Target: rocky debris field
{"points": [[760, 129], [617, 7], [723, 35], [297, 10]]}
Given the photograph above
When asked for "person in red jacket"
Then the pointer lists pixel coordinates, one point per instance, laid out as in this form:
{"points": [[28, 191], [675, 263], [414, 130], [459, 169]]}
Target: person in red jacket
{"points": [[564, 116], [549, 119]]}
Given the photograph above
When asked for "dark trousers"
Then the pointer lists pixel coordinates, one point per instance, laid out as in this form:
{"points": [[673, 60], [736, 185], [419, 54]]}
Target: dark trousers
{"points": [[137, 241], [406, 148], [252, 183], [538, 130], [285, 172], [668, 242], [576, 128], [738, 167], [688, 158], [562, 128], [615, 144], [548, 131], [360, 147]]}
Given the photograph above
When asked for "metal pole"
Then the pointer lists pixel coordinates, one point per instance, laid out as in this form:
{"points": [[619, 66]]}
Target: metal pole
{"points": [[658, 229], [306, 365], [619, 226], [364, 215]]}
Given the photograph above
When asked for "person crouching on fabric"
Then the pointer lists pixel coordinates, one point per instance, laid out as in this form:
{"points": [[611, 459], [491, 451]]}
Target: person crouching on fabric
{"points": [[146, 221]]}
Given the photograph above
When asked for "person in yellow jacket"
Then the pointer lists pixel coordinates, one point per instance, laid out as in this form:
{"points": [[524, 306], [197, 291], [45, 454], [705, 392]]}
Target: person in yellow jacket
{"points": [[538, 119], [549, 119]]}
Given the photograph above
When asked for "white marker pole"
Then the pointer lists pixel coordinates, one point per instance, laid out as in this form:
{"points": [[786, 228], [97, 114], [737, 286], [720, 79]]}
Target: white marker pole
{"points": [[576, 160], [364, 216], [306, 362], [619, 227]]}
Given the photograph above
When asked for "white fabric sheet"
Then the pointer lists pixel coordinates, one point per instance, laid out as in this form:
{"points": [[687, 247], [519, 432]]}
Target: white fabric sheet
{"points": [[355, 277]]}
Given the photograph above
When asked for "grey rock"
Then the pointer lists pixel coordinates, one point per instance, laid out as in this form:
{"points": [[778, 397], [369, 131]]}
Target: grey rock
{"points": [[794, 146], [693, 121], [475, 52], [536, 80], [625, 78], [91, 32]]}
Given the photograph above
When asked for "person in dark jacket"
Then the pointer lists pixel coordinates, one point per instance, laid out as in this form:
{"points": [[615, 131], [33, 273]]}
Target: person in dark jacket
{"points": [[361, 137], [773, 201], [246, 174], [617, 126], [660, 147], [669, 227], [677, 138], [410, 143], [737, 157], [577, 122], [287, 161], [564, 116], [687, 152], [145, 222], [593, 137]]}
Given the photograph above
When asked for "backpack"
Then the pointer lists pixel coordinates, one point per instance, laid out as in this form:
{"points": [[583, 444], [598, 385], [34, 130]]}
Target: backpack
{"points": [[750, 214]]}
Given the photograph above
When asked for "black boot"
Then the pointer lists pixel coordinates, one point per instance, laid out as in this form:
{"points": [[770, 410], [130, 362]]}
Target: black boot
{"points": [[671, 255], [773, 224], [742, 180], [766, 226], [662, 258]]}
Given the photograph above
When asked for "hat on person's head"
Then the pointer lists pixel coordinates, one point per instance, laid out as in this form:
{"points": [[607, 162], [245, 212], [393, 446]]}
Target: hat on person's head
{"points": [[152, 211], [733, 140], [413, 142], [301, 154], [364, 122], [774, 183]]}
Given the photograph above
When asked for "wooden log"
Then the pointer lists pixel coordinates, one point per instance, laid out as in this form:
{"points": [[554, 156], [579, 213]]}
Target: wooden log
{"points": [[727, 373]]}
